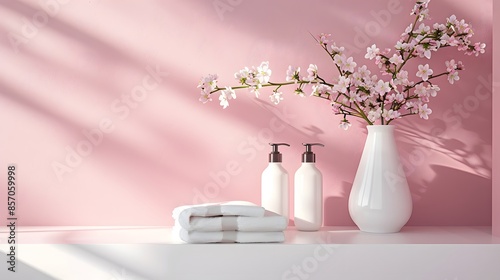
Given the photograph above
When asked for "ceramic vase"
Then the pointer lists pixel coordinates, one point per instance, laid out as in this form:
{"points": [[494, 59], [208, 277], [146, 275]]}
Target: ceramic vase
{"points": [[380, 199]]}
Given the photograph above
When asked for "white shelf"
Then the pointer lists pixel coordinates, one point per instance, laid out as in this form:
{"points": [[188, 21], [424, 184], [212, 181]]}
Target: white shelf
{"points": [[453, 253], [327, 235]]}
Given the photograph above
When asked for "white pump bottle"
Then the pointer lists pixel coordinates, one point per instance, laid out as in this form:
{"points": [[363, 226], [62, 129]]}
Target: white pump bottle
{"points": [[274, 195], [308, 192]]}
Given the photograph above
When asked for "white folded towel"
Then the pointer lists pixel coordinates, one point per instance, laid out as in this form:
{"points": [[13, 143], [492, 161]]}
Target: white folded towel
{"points": [[183, 214], [229, 236], [270, 222]]}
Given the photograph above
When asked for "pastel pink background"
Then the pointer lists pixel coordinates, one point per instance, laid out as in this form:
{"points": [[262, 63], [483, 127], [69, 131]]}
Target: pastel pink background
{"points": [[496, 128], [169, 149]]}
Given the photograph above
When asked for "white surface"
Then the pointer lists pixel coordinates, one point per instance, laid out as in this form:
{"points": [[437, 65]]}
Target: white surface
{"points": [[451, 253], [308, 197], [345, 235], [380, 199]]}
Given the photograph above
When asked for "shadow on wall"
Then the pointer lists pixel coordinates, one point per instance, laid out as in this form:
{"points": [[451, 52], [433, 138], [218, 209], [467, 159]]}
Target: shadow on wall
{"points": [[469, 200], [457, 193], [336, 211], [463, 145]]}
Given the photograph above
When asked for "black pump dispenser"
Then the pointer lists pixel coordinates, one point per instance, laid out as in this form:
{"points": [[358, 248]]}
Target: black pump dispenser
{"points": [[308, 155], [275, 155]]}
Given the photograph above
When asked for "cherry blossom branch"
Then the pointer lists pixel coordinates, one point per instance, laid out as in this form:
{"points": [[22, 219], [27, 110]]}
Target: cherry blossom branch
{"points": [[357, 92]]}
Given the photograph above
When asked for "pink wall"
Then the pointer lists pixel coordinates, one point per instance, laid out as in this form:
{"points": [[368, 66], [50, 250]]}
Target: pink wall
{"points": [[84, 67], [496, 127]]}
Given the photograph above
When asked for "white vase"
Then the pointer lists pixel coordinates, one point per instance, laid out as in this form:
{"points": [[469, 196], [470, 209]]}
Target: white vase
{"points": [[380, 199]]}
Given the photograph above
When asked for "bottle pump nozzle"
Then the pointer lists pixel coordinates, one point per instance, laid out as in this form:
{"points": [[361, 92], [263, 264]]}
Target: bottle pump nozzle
{"points": [[308, 155], [275, 155]]}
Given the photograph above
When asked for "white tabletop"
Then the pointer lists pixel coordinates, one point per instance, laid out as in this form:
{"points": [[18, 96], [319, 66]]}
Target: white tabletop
{"points": [[327, 235], [415, 253]]}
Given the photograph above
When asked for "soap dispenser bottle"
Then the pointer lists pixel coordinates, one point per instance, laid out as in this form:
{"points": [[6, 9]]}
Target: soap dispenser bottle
{"points": [[308, 192], [274, 195]]}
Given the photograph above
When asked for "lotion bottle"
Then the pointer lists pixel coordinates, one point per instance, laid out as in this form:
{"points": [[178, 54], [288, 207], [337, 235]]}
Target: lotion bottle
{"points": [[308, 192], [274, 195]]}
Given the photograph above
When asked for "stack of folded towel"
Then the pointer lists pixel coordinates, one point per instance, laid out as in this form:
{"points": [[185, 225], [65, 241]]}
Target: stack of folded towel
{"points": [[235, 221]]}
